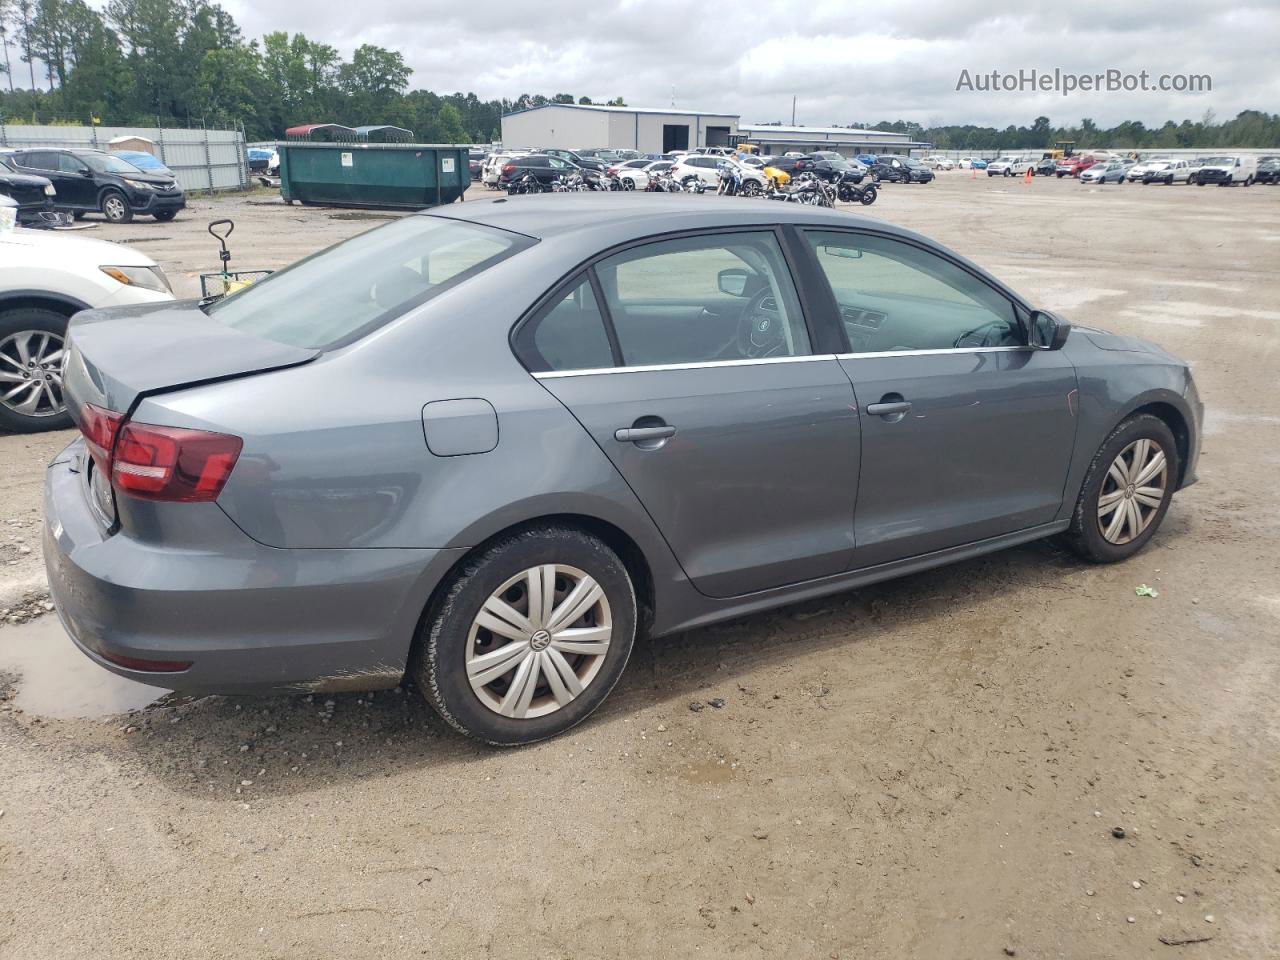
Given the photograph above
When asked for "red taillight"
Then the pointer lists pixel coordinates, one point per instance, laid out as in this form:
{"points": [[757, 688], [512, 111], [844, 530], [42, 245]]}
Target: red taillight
{"points": [[173, 463], [100, 427], [508, 168], [159, 463]]}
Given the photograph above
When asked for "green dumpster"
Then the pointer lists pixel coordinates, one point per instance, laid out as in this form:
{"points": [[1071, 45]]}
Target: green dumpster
{"points": [[402, 176]]}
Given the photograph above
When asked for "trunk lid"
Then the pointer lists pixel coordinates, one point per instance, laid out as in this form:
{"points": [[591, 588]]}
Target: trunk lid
{"points": [[118, 354]]}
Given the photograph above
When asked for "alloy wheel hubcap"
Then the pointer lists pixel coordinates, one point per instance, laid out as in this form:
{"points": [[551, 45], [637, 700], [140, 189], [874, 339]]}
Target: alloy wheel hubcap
{"points": [[1132, 491], [115, 208], [538, 641], [31, 373]]}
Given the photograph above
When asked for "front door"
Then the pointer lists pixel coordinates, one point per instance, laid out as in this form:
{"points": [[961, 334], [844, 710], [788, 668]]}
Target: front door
{"points": [[966, 431], [739, 442]]}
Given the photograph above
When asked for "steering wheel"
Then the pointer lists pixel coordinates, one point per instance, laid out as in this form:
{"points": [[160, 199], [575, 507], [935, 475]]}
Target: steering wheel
{"points": [[760, 328]]}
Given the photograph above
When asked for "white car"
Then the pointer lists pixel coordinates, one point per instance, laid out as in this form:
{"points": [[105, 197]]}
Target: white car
{"points": [[1166, 171], [1139, 169], [637, 178], [1010, 166], [491, 168], [698, 166], [45, 277], [1226, 170], [938, 163]]}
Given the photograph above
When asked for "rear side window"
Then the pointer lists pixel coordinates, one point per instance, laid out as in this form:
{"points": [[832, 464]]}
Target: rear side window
{"points": [[340, 294], [39, 160], [567, 334]]}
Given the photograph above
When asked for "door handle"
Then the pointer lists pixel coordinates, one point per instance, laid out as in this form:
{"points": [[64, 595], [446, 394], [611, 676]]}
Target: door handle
{"points": [[640, 434], [888, 409]]}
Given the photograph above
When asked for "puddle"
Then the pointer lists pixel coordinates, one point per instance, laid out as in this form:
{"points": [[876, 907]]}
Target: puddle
{"points": [[57, 680]]}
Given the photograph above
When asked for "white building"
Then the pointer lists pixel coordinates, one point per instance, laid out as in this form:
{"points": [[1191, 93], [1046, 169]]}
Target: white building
{"points": [[647, 129], [774, 140]]}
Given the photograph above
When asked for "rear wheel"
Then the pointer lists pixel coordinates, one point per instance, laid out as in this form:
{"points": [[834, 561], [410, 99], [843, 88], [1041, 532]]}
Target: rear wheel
{"points": [[529, 637], [1126, 491], [31, 344], [116, 208], [751, 189]]}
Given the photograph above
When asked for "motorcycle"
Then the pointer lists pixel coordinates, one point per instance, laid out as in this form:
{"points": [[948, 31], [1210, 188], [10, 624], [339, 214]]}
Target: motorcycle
{"points": [[850, 192], [526, 183], [806, 188]]}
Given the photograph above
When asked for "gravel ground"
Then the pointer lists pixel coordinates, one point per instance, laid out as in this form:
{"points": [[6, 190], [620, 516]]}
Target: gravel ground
{"points": [[933, 767]]}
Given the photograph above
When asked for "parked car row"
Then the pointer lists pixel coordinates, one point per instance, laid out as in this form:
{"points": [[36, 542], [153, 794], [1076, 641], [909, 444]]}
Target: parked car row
{"points": [[78, 181], [635, 170]]}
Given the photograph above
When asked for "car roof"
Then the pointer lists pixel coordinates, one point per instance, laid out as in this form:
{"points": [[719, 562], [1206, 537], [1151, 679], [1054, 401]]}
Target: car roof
{"points": [[620, 216]]}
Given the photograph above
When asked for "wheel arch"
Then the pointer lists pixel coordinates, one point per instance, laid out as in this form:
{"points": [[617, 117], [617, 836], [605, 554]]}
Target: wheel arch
{"points": [[41, 299], [626, 546], [1179, 425]]}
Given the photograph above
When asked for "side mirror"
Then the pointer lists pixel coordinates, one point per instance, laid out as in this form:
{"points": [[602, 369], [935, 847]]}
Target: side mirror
{"points": [[733, 281], [1047, 332]]}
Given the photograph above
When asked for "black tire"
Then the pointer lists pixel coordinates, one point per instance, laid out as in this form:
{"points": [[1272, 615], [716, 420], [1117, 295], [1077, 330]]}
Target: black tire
{"points": [[17, 321], [115, 207], [868, 196], [164, 216], [751, 189], [1084, 535], [440, 666], [77, 215]]}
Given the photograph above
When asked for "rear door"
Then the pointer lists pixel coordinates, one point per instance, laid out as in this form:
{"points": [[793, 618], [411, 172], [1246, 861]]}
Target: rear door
{"points": [[967, 432], [707, 395]]}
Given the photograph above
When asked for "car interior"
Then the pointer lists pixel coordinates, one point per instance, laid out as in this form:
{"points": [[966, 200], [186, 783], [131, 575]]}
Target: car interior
{"points": [[893, 296], [728, 299]]}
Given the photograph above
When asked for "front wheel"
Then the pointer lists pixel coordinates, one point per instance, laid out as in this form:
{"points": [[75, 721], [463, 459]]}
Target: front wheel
{"points": [[751, 189], [164, 216], [31, 345], [116, 208], [529, 637], [1126, 491]]}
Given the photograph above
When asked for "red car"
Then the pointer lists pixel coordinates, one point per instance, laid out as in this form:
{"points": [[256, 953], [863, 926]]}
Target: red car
{"points": [[1074, 166]]}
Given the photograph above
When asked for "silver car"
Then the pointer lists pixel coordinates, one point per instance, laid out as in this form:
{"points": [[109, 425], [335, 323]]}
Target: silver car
{"points": [[488, 445]]}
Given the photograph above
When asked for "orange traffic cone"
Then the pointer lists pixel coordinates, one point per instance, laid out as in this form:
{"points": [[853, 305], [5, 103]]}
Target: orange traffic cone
{"points": [[1027, 178]]}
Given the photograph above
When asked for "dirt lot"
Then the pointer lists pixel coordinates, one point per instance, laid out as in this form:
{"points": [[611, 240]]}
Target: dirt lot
{"points": [[929, 768]]}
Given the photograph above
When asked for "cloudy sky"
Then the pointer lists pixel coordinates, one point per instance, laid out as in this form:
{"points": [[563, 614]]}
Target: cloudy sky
{"points": [[844, 62]]}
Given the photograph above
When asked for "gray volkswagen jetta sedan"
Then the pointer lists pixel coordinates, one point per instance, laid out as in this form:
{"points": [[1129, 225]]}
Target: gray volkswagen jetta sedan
{"points": [[488, 445]]}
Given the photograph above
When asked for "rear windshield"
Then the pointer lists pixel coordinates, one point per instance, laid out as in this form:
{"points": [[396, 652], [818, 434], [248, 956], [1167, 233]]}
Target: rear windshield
{"points": [[340, 294]]}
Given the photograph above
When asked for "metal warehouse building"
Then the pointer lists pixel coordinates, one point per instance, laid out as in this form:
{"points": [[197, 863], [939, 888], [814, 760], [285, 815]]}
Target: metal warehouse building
{"points": [[847, 140], [649, 130]]}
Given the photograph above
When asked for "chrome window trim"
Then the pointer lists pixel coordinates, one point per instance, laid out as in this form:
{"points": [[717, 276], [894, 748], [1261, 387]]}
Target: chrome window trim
{"points": [[941, 350], [700, 365]]}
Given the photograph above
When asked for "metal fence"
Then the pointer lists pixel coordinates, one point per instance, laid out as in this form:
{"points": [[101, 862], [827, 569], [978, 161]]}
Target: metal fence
{"points": [[202, 159]]}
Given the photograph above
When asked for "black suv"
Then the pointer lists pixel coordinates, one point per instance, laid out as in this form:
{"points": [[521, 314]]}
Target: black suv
{"points": [[543, 167], [33, 195], [586, 163], [900, 169], [90, 180], [832, 170]]}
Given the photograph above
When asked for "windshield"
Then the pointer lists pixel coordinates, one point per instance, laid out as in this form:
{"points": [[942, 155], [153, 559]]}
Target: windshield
{"points": [[340, 294], [107, 164]]}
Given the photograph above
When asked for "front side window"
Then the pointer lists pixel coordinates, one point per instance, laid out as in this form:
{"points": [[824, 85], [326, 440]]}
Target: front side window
{"points": [[69, 164], [703, 299], [110, 164], [342, 293], [895, 296]]}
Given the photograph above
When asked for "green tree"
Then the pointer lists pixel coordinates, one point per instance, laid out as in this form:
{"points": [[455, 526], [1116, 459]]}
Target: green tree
{"points": [[450, 124]]}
